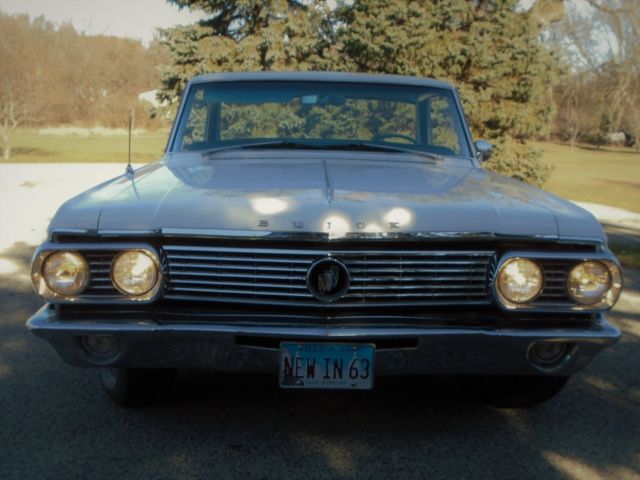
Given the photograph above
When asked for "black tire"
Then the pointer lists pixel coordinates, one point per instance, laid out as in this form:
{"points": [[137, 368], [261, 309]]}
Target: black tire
{"points": [[137, 386], [514, 391]]}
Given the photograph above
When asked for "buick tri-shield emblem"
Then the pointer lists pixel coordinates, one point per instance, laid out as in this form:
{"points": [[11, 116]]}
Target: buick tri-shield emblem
{"points": [[328, 279]]}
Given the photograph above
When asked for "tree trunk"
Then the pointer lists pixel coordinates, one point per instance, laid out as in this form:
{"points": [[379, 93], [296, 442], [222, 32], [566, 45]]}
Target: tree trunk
{"points": [[573, 139], [5, 143]]}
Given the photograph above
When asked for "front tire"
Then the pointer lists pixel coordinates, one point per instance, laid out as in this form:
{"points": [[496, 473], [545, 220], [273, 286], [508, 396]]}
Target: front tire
{"points": [[514, 391], [137, 386]]}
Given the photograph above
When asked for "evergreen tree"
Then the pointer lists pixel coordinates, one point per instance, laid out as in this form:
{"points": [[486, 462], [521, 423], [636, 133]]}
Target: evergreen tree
{"points": [[246, 35], [489, 49]]}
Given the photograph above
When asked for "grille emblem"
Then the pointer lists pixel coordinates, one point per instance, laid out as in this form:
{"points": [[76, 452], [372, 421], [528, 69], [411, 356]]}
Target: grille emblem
{"points": [[328, 279]]}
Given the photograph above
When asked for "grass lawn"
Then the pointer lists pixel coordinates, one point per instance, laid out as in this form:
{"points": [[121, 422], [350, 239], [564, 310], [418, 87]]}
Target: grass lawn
{"points": [[29, 146], [628, 255], [610, 176]]}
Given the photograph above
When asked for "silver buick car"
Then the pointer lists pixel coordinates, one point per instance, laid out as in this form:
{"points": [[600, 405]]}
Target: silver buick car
{"points": [[329, 229]]}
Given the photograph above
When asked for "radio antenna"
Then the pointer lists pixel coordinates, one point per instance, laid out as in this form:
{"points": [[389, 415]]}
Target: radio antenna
{"points": [[129, 169]]}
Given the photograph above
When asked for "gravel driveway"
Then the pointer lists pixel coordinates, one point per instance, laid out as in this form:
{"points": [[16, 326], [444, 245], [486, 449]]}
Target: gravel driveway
{"points": [[56, 423]]}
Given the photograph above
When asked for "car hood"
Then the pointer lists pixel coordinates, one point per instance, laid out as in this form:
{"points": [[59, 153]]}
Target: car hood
{"points": [[335, 193]]}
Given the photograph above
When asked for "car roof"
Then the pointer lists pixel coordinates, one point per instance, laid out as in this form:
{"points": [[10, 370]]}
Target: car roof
{"points": [[321, 77]]}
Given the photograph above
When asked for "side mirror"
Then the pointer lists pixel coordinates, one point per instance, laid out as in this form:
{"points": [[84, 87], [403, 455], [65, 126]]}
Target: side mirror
{"points": [[483, 150]]}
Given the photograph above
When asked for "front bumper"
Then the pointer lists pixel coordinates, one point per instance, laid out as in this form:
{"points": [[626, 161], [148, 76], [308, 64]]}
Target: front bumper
{"points": [[251, 347]]}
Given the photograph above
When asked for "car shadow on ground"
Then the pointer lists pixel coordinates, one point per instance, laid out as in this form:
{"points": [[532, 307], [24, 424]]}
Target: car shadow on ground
{"points": [[57, 423]]}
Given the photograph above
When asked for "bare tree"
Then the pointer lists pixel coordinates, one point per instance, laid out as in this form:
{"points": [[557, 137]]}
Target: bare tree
{"points": [[15, 110], [51, 74], [17, 89], [579, 108], [600, 93], [619, 20]]}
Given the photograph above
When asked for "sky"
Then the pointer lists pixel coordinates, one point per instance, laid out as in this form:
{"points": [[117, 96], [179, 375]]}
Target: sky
{"points": [[122, 18]]}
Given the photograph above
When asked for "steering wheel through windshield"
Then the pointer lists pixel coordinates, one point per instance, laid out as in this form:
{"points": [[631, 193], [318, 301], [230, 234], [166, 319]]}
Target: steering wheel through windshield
{"points": [[384, 136]]}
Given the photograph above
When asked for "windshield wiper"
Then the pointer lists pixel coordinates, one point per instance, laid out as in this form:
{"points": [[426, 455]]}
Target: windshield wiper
{"points": [[375, 147], [362, 146], [273, 144]]}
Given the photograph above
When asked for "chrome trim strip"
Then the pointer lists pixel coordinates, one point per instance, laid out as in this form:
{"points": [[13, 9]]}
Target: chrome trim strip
{"points": [[70, 231], [44, 320], [94, 246], [323, 236], [310, 236], [82, 231], [346, 236], [224, 233], [312, 303], [323, 252], [597, 241], [125, 233]]}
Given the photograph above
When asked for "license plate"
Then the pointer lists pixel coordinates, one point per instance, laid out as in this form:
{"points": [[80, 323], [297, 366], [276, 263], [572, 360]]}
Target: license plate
{"points": [[326, 365]]}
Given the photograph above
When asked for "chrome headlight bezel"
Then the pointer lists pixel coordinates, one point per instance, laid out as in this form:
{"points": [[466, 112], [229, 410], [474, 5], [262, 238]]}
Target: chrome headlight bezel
{"points": [[42, 282], [89, 296], [572, 259], [614, 284], [503, 296], [152, 290]]}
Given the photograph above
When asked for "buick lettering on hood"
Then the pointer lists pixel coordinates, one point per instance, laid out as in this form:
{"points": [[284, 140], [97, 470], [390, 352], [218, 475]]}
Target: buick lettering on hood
{"points": [[328, 229]]}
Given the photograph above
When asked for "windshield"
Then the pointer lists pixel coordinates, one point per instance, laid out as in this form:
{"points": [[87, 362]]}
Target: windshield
{"points": [[321, 114]]}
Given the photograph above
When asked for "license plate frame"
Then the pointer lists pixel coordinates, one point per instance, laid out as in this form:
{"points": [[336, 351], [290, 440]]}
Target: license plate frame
{"points": [[326, 366]]}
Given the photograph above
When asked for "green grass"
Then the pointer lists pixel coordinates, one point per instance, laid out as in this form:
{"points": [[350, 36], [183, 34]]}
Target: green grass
{"points": [[629, 255], [610, 176], [29, 146]]}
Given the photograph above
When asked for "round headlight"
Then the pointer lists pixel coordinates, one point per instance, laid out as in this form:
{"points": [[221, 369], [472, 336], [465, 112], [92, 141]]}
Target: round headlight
{"points": [[520, 280], [66, 273], [589, 282], [134, 272]]}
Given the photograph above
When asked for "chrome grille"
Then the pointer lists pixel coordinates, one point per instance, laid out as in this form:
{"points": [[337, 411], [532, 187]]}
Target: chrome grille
{"points": [[100, 284], [555, 282], [278, 276]]}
